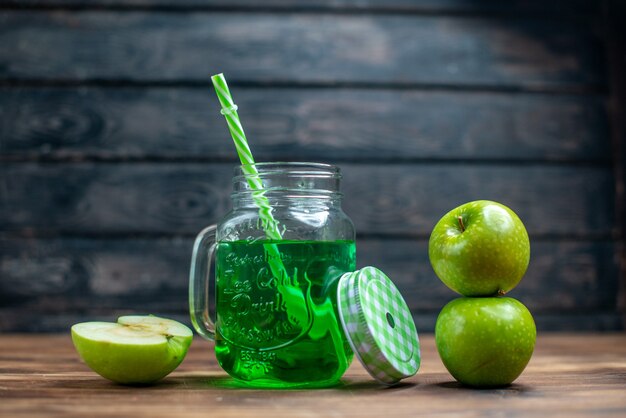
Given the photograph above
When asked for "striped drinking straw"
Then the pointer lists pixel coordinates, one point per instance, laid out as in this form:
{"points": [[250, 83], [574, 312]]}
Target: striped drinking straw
{"points": [[229, 110], [293, 296], [270, 225]]}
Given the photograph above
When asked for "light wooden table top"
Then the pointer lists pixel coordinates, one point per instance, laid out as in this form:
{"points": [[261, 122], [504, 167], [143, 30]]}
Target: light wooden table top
{"points": [[569, 375]]}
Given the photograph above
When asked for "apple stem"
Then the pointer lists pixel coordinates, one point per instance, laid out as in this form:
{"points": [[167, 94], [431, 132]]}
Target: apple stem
{"points": [[460, 218]]}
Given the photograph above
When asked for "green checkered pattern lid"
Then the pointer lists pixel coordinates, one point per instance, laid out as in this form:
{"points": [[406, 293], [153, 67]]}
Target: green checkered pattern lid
{"points": [[378, 324]]}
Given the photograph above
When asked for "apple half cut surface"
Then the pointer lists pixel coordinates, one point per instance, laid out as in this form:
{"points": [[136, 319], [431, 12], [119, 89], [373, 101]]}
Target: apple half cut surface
{"points": [[137, 349]]}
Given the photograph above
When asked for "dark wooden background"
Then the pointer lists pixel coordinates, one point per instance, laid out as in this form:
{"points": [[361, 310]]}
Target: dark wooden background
{"points": [[114, 155]]}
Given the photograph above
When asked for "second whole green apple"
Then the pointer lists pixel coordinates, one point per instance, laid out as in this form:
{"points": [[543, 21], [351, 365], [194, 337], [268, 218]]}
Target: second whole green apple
{"points": [[480, 248], [485, 342]]}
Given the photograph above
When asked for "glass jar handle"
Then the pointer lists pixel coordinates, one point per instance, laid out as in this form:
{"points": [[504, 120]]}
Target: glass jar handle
{"points": [[199, 289]]}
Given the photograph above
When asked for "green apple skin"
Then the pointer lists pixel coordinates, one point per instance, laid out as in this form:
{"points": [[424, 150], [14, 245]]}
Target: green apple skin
{"points": [[480, 248], [485, 342], [128, 363]]}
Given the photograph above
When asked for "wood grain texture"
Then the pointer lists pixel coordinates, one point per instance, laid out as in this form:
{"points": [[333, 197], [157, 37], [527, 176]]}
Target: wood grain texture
{"points": [[412, 6], [616, 45], [344, 124], [381, 199], [298, 48], [113, 154], [568, 376], [61, 279]]}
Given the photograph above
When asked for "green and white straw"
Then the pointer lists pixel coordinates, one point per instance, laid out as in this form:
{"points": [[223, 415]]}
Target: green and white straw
{"points": [[291, 295], [229, 110]]}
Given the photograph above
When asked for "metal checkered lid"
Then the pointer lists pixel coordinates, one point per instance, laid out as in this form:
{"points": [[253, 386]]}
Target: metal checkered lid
{"points": [[378, 324]]}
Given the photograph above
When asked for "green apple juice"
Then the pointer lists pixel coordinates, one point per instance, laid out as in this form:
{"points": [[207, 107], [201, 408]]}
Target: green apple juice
{"points": [[281, 331]]}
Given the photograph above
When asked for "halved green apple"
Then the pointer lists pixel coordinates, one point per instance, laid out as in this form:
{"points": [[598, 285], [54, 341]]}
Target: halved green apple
{"points": [[137, 349]]}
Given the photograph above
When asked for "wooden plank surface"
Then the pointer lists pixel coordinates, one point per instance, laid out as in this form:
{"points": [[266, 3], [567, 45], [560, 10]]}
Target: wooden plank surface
{"points": [[568, 376], [562, 275], [59, 280], [413, 6], [112, 155], [307, 48], [343, 124], [616, 45], [382, 199]]}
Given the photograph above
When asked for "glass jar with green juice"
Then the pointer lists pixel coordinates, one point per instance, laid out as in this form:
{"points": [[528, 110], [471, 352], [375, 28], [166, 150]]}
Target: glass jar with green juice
{"points": [[278, 319]]}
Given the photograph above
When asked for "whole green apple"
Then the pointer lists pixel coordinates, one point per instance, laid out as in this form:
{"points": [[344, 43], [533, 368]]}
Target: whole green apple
{"points": [[480, 248], [485, 342]]}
